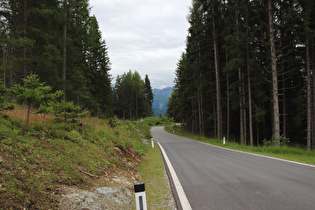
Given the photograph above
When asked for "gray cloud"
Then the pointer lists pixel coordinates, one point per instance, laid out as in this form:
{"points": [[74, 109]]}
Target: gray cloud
{"points": [[144, 35]]}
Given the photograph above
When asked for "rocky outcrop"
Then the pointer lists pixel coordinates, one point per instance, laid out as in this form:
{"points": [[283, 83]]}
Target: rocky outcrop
{"points": [[119, 196]]}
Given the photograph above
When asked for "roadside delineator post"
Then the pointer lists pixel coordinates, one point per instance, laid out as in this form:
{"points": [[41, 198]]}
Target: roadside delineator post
{"points": [[141, 201], [223, 140], [152, 142]]}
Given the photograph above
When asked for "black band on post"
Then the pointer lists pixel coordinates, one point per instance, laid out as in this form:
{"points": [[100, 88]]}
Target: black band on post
{"points": [[139, 187]]}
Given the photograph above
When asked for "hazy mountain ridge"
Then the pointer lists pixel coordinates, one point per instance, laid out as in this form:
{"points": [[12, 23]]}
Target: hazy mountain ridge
{"points": [[160, 100]]}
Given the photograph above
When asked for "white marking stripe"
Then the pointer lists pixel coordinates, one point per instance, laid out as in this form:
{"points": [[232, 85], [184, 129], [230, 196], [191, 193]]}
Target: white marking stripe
{"points": [[180, 191], [259, 155]]}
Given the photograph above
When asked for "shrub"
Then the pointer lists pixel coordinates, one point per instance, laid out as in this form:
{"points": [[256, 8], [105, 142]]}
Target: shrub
{"points": [[66, 110], [112, 122], [283, 141]]}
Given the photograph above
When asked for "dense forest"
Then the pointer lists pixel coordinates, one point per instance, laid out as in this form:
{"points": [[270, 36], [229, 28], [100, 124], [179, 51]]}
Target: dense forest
{"points": [[60, 41], [247, 72], [133, 95]]}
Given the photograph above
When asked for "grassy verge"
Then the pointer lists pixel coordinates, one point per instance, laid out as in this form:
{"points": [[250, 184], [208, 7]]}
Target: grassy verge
{"points": [[152, 170], [284, 152], [153, 174], [34, 163]]}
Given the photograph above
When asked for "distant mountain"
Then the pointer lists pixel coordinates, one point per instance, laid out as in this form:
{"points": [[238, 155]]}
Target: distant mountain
{"points": [[160, 100]]}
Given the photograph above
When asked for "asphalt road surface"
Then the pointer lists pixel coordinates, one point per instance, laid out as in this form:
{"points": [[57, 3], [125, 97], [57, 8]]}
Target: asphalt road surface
{"points": [[217, 178]]}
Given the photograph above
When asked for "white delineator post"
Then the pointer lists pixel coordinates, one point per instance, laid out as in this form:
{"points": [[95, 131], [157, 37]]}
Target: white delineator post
{"points": [[223, 140], [152, 142], [141, 201]]}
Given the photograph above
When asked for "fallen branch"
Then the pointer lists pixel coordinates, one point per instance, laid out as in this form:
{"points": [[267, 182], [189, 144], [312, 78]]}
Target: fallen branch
{"points": [[91, 175]]}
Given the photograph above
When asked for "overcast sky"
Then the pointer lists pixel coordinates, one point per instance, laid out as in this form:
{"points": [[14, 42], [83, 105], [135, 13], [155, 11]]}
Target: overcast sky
{"points": [[144, 35]]}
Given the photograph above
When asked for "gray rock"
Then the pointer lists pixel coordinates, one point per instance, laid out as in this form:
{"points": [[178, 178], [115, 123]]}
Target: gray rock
{"points": [[118, 197], [106, 190]]}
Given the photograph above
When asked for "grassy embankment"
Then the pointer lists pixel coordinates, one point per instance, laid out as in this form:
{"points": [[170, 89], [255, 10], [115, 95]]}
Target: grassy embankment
{"points": [[34, 163], [284, 152], [153, 172]]}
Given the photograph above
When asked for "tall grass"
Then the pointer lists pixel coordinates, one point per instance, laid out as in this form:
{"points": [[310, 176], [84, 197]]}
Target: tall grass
{"points": [[20, 112], [36, 121]]}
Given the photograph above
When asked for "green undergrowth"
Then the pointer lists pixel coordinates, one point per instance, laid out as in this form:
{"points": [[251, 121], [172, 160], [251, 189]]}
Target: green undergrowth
{"points": [[285, 152], [35, 163], [158, 121]]}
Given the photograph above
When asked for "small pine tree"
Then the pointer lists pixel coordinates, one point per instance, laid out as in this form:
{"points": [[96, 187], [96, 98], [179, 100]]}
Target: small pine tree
{"points": [[67, 109], [34, 93]]}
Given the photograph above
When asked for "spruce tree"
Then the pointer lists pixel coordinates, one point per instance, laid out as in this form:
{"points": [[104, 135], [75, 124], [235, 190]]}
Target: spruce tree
{"points": [[148, 95], [34, 94]]}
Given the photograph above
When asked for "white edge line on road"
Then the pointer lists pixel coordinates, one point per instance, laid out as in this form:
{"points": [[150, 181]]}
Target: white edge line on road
{"points": [[180, 191], [258, 155]]}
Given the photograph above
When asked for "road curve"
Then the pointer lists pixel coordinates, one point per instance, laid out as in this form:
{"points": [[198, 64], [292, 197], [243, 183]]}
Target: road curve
{"points": [[216, 178]]}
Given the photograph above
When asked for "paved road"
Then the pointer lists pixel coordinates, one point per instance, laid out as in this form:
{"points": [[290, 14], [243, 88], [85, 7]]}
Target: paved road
{"points": [[216, 178]]}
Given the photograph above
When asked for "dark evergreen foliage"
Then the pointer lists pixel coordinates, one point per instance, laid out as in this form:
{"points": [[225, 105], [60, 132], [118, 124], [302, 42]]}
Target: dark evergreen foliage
{"points": [[133, 96], [242, 34], [148, 96], [31, 41]]}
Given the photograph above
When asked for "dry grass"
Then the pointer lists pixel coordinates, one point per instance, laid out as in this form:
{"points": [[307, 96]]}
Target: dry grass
{"points": [[20, 112]]}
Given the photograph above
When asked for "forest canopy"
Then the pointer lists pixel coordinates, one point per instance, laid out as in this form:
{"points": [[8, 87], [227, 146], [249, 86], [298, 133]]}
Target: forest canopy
{"points": [[133, 95]]}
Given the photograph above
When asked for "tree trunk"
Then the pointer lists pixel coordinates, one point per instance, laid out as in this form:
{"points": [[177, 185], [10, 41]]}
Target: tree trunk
{"points": [[275, 92], [284, 109], [242, 113], [4, 66], [25, 35], [199, 116], [28, 115], [137, 108], [244, 109], [257, 133], [193, 117], [214, 119], [251, 135], [241, 90], [227, 107], [64, 51], [11, 79], [309, 96], [200, 100], [218, 82], [313, 94]]}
